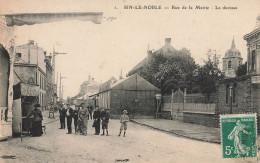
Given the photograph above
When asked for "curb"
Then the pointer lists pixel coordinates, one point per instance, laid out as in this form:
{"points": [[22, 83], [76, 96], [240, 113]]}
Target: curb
{"points": [[176, 134], [5, 138]]}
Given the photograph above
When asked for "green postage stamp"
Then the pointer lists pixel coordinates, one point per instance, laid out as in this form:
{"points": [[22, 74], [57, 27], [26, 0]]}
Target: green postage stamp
{"points": [[238, 135]]}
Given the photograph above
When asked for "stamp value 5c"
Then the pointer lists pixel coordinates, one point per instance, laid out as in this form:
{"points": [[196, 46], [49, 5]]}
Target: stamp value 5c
{"points": [[238, 135]]}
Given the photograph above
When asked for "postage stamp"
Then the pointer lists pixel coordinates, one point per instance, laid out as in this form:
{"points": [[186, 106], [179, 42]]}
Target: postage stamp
{"points": [[238, 135]]}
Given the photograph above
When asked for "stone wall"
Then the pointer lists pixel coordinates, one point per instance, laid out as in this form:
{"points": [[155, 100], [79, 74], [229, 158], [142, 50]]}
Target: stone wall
{"points": [[241, 88], [210, 120]]}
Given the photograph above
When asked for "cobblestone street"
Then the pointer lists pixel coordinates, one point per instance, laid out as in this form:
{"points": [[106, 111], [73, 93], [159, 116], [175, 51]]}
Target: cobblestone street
{"points": [[141, 144]]}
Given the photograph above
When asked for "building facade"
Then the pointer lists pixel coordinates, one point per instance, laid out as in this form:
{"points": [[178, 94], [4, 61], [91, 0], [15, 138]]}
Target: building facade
{"points": [[89, 87], [26, 57]]}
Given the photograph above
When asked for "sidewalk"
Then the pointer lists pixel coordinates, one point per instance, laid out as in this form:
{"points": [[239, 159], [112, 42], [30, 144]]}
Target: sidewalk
{"points": [[187, 130], [47, 120]]}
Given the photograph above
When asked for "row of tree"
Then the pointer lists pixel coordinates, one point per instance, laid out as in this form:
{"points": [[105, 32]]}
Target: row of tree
{"points": [[179, 70]]}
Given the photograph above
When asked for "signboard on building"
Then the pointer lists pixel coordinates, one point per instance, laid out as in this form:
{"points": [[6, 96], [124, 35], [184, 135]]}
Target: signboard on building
{"points": [[255, 79]]}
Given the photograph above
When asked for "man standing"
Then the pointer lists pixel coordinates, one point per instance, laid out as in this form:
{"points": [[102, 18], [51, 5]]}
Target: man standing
{"points": [[83, 116], [69, 114], [62, 112], [76, 116], [96, 117]]}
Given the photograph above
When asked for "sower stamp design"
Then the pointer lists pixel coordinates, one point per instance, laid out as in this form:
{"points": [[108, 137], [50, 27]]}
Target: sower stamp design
{"points": [[238, 135]]}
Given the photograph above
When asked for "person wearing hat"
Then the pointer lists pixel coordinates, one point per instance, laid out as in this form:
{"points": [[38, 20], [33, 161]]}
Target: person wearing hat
{"points": [[62, 112], [69, 114], [36, 129], [123, 120], [96, 123]]}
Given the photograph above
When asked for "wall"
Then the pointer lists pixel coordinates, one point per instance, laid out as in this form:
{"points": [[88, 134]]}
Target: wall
{"points": [[241, 94], [25, 73], [137, 103], [210, 120]]}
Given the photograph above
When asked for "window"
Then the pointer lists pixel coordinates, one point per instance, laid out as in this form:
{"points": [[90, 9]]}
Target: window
{"points": [[40, 81], [253, 60], [234, 93], [227, 93], [229, 64], [18, 55], [36, 77]]}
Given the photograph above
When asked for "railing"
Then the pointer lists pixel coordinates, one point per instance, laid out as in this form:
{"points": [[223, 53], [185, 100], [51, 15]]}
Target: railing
{"points": [[199, 108]]}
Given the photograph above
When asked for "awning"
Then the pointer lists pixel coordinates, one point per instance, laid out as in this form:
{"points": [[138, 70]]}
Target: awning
{"points": [[29, 90], [39, 18], [22, 89]]}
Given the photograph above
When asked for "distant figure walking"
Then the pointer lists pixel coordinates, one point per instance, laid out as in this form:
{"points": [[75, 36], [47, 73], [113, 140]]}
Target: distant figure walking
{"points": [[69, 114], [62, 112], [96, 117], [37, 121], [83, 118], [123, 120], [105, 120]]}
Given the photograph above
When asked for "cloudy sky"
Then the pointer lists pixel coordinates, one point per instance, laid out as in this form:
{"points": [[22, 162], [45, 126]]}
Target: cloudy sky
{"points": [[104, 49]]}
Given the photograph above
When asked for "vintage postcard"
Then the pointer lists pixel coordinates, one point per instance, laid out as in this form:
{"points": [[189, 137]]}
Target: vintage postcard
{"points": [[129, 81]]}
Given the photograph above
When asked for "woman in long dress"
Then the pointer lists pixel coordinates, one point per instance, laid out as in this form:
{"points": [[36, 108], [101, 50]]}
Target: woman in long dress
{"points": [[37, 121], [236, 135]]}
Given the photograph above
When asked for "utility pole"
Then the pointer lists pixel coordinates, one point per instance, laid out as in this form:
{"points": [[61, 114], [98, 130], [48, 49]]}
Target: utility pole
{"points": [[54, 53], [60, 92]]}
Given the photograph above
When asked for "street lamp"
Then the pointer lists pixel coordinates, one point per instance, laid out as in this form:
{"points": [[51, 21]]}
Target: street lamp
{"points": [[231, 92], [158, 99]]}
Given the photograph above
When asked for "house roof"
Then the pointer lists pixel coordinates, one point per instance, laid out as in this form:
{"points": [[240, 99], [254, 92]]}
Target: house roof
{"points": [[107, 85], [167, 49], [134, 82]]}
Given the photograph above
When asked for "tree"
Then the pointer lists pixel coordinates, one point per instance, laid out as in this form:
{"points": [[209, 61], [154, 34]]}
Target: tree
{"points": [[209, 73], [172, 71], [242, 69]]}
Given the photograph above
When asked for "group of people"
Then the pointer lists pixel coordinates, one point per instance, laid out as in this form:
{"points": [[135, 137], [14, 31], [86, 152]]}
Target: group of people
{"points": [[83, 113]]}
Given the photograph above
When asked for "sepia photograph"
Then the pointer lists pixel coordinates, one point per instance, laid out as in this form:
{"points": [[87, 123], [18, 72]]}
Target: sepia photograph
{"points": [[138, 81]]}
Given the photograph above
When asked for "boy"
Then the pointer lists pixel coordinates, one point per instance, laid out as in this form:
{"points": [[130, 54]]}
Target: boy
{"points": [[123, 120], [105, 120]]}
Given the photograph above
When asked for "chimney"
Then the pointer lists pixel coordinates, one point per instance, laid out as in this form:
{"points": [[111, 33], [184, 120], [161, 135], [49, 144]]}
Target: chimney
{"points": [[167, 41], [121, 76], [149, 52], [31, 42]]}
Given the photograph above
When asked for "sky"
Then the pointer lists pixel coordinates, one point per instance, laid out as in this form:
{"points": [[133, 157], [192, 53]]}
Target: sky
{"points": [[103, 50]]}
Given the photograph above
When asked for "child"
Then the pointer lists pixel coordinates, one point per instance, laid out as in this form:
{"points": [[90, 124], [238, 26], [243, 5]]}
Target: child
{"points": [[105, 120], [123, 120]]}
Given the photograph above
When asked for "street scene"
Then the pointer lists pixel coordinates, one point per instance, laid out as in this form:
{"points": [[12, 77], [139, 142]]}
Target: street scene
{"points": [[57, 146], [130, 81]]}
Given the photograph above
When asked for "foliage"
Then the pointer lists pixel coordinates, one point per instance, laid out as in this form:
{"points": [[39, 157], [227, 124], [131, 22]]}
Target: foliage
{"points": [[242, 69], [209, 73], [170, 71]]}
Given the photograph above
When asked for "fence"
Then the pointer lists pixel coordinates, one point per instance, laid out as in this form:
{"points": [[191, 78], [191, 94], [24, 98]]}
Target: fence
{"points": [[179, 103], [199, 108]]}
